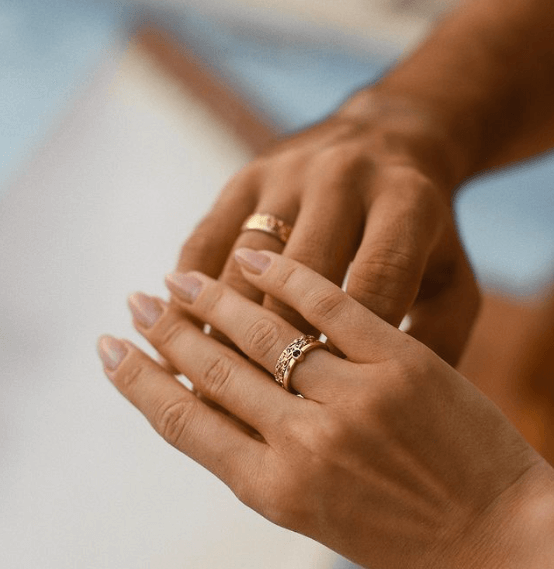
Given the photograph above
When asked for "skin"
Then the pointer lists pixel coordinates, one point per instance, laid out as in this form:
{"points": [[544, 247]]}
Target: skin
{"points": [[372, 185], [390, 458]]}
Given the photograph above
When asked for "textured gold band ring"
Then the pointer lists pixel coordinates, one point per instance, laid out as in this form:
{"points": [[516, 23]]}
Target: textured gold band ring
{"points": [[268, 224], [293, 354]]}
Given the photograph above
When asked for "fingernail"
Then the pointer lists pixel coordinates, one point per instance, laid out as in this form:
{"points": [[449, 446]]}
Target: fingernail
{"points": [[145, 309], [111, 351], [185, 286], [252, 261]]}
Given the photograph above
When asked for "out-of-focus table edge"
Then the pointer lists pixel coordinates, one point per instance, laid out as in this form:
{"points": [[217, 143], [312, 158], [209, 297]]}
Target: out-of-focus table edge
{"points": [[179, 61]]}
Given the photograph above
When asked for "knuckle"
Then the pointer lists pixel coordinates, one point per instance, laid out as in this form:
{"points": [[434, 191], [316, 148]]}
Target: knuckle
{"points": [[210, 302], [338, 155], [408, 177], [407, 378], [242, 489], [172, 420], [386, 283], [404, 175], [281, 508], [130, 378], [417, 196], [319, 435], [261, 337], [410, 368], [169, 336], [408, 180], [339, 162], [325, 438], [389, 261], [333, 157], [284, 501], [252, 486], [269, 500], [386, 266], [285, 276], [326, 305], [217, 374]]}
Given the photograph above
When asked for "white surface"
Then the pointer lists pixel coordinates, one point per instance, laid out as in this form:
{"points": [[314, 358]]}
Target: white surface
{"points": [[99, 213]]}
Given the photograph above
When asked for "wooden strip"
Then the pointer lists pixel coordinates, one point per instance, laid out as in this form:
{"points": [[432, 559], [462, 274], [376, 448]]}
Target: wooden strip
{"points": [[249, 124]]}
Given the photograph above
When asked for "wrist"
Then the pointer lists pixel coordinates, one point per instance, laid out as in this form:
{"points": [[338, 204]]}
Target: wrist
{"points": [[517, 530]]}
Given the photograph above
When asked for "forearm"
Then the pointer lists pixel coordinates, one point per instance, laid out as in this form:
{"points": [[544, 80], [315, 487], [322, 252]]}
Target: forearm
{"points": [[486, 76]]}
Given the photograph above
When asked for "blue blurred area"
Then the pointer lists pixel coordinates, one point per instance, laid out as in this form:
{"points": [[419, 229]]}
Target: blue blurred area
{"points": [[50, 49], [295, 77], [506, 221]]}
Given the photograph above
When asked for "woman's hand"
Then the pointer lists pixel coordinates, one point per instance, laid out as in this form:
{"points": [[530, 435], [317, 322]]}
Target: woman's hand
{"points": [[390, 457], [370, 185]]}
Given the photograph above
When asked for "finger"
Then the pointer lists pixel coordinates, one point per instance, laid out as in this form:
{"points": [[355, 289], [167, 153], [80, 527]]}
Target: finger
{"points": [[168, 366], [208, 247], [285, 211], [256, 331], [219, 373], [388, 267], [442, 318], [325, 238], [205, 435], [341, 318], [232, 275]]}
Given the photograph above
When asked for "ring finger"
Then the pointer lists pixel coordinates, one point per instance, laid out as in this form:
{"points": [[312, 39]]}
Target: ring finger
{"points": [[260, 234], [256, 331]]}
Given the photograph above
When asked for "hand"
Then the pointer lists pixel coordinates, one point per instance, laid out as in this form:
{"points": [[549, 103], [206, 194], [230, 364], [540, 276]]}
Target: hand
{"points": [[391, 458], [371, 185]]}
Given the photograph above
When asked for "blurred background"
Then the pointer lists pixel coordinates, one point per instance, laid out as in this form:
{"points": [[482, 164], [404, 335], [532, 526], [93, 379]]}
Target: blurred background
{"points": [[119, 124]]}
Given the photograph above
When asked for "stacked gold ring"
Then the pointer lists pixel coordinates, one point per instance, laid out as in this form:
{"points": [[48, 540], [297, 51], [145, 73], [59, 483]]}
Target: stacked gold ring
{"points": [[294, 353], [268, 224]]}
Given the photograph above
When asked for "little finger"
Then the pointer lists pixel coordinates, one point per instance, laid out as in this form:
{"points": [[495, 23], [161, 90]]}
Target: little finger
{"points": [[200, 432]]}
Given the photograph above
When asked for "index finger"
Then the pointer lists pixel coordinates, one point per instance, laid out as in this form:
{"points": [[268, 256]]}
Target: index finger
{"points": [[209, 245]]}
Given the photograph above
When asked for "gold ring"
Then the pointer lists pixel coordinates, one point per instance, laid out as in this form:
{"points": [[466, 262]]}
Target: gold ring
{"points": [[268, 224], [291, 355]]}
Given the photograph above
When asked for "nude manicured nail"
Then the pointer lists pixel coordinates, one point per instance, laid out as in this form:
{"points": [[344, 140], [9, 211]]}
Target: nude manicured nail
{"points": [[252, 261], [184, 286], [146, 310], [111, 351]]}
